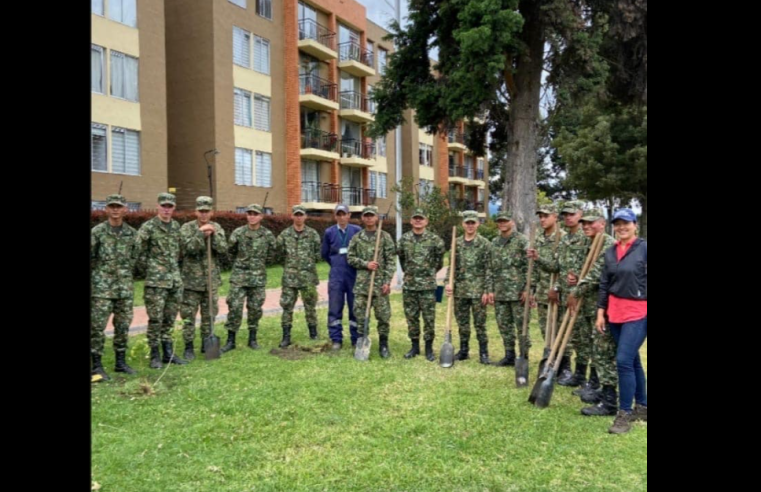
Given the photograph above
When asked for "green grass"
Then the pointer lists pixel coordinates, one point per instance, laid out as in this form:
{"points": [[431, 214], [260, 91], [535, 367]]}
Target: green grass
{"points": [[252, 421], [274, 281]]}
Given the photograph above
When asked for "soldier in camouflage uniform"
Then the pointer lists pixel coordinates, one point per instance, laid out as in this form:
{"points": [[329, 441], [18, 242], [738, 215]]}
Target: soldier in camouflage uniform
{"points": [[473, 286], [572, 253], [112, 259], [158, 243], [361, 254], [509, 267], [603, 370], [545, 257], [194, 235], [421, 254], [299, 245], [251, 247]]}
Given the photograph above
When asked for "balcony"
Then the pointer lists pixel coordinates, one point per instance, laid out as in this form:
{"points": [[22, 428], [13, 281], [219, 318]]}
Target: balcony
{"points": [[318, 145], [324, 196], [457, 141], [356, 153], [356, 107], [318, 94], [317, 40], [355, 61]]}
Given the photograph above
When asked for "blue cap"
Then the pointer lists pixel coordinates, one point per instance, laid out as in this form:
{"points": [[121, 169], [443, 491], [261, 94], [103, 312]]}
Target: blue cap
{"points": [[626, 214]]}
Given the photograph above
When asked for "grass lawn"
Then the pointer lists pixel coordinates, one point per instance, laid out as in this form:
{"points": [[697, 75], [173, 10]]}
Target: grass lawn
{"points": [[314, 421]]}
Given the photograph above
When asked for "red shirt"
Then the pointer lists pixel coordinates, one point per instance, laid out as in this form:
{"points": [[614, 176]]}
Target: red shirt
{"points": [[625, 310]]}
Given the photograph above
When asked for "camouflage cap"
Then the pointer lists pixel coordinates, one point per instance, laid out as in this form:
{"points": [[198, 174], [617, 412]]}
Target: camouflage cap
{"points": [[470, 216], [549, 208], [166, 198], [592, 215], [255, 207], [504, 215], [370, 211], [204, 203], [419, 212], [298, 209], [116, 200], [572, 207]]}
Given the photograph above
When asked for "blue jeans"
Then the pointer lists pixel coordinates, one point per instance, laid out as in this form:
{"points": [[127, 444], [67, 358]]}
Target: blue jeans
{"points": [[631, 376]]}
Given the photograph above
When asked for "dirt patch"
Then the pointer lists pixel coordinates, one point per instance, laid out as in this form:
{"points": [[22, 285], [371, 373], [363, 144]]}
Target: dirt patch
{"points": [[298, 352]]}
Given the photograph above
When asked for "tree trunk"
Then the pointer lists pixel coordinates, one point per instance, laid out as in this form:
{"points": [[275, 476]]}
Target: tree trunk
{"points": [[523, 128]]}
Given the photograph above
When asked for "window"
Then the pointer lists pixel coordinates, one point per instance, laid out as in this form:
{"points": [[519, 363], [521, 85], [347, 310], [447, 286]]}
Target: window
{"points": [[241, 47], [99, 157], [426, 187], [239, 3], [123, 11], [97, 7], [124, 76], [125, 154], [371, 49], [242, 108], [382, 55], [264, 8], [382, 146], [382, 185], [261, 55], [244, 171], [97, 79], [131, 206], [425, 155], [263, 170], [262, 112]]}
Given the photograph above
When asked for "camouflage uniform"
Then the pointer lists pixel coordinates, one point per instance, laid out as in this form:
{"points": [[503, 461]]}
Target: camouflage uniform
{"points": [[421, 258], [250, 251], [195, 275], [545, 246], [572, 252], [361, 252], [159, 249], [603, 346], [301, 253], [112, 258], [473, 278], [509, 269]]}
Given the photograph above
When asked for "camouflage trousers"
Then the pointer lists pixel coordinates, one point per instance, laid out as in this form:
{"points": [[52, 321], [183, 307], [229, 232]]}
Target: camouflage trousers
{"points": [[543, 310], [604, 356], [191, 301], [100, 310], [462, 311], [417, 303], [288, 301], [582, 338], [382, 307], [253, 298], [162, 306], [510, 322]]}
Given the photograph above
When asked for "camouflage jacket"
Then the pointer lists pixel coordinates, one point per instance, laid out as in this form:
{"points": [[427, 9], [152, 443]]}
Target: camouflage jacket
{"points": [[361, 252], [509, 266], [589, 286], [159, 254], [543, 266], [572, 253], [194, 264], [112, 259], [421, 260], [301, 252], [473, 275], [251, 251]]}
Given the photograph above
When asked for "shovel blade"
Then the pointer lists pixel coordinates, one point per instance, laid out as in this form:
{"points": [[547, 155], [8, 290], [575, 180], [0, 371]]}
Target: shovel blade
{"points": [[544, 395], [211, 347], [521, 372], [362, 352]]}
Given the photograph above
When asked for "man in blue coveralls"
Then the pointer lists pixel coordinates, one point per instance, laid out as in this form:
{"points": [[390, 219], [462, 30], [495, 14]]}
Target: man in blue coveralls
{"points": [[335, 247]]}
